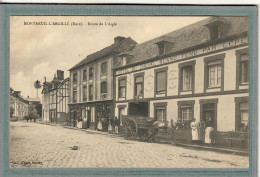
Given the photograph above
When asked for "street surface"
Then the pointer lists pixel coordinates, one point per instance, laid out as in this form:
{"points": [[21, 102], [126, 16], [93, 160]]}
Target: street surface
{"points": [[39, 145]]}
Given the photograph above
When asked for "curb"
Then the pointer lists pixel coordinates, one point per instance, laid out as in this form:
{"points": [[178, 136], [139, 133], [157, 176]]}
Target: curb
{"points": [[190, 146]]}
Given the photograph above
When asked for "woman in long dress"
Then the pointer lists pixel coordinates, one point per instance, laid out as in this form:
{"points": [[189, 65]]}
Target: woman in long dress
{"points": [[194, 131], [99, 126]]}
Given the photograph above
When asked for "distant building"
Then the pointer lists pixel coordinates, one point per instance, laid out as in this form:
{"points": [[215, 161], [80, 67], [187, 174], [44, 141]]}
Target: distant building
{"points": [[33, 101], [19, 104], [55, 99], [92, 84], [199, 71]]}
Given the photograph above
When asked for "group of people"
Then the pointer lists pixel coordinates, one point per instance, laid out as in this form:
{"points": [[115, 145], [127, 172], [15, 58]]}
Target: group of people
{"points": [[112, 125], [82, 123], [201, 132]]}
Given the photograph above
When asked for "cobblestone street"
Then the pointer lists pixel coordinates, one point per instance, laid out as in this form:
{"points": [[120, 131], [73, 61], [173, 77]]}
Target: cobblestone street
{"points": [[39, 145]]}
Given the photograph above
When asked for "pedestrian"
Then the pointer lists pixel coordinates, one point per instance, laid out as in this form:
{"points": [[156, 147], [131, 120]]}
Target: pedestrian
{"points": [[209, 135], [109, 125], [116, 124], [99, 126], [173, 127], [194, 131], [79, 124]]}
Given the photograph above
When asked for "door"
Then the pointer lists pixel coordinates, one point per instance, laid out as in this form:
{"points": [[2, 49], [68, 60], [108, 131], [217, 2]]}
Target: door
{"points": [[209, 115], [121, 112], [74, 118], [88, 118]]}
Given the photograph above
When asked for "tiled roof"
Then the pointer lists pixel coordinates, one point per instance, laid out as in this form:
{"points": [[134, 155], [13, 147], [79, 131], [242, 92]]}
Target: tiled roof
{"points": [[186, 37], [121, 46]]}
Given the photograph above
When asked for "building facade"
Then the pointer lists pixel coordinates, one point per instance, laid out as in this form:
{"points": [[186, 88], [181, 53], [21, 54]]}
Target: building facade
{"points": [[55, 99], [92, 84], [200, 71], [20, 105]]}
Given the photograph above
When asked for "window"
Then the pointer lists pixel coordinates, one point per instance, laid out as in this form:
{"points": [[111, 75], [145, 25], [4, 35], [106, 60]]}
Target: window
{"points": [[242, 113], [74, 95], [103, 87], [84, 90], [186, 78], [161, 48], [214, 32], [161, 78], [75, 78], [160, 114], [139, 85], [160, 111], [104, 68], [242, 67], [91, 73], [122, 88], [84, 75], [187, 75], [91, 92], [214, 72], [185, 113]]}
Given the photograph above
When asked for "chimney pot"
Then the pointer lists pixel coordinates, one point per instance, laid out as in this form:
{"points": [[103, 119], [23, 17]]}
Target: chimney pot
{"points": [[118, 38]]}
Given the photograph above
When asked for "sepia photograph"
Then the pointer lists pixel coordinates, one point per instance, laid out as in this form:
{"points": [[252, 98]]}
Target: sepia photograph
{"points": [[129, 92]]}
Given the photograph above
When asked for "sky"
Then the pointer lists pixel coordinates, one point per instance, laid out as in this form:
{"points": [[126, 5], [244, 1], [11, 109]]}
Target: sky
{"points": [[37, 51]]}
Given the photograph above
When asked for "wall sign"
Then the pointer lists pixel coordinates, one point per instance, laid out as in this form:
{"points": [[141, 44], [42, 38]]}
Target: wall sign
{"points": [[212, 48]]}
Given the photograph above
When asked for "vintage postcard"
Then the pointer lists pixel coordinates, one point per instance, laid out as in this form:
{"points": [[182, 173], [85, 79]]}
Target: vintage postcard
{"points": [[131, 92]]}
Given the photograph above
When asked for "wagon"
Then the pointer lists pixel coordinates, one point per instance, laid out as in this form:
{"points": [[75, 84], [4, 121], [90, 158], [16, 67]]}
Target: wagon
{"points": [[139, 127]]}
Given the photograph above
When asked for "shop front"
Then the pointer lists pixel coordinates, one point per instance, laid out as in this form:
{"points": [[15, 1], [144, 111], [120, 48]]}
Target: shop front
{"points": [[90, 114]]}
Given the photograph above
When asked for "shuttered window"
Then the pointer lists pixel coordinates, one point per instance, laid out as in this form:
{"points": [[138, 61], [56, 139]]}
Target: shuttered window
{"points": [[161, 82]]}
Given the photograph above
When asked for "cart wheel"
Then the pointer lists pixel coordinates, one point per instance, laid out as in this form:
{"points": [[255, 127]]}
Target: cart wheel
{"points": [[131, 128]]}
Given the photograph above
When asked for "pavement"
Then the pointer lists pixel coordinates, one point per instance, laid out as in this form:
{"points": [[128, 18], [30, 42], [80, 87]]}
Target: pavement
{"points": [[39, 145], [185, 145]]}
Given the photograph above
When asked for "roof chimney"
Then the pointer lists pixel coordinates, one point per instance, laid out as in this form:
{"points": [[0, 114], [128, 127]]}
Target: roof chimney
{"points": [[118, 39], [60, 75]]}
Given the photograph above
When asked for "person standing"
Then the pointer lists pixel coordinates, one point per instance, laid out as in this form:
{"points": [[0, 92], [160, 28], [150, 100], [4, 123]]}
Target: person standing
{"points": [[99, 127], [173, 127], [194, 131], [116, 124], [209, 135], [109, 125]]}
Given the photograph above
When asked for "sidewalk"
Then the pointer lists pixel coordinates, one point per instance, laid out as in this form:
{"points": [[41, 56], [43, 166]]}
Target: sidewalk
{"points": [[191, 146]]}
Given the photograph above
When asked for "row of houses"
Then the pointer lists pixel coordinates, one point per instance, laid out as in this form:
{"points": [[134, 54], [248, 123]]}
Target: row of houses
{"points": [[200, 71], [20, 106]]}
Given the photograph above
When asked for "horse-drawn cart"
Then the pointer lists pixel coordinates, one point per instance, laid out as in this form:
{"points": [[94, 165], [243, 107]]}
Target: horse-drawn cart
{"points": [[139, 127]]}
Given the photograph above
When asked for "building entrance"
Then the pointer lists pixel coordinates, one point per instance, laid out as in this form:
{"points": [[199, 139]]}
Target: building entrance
{"points": [[139, 109], [209, 114]]}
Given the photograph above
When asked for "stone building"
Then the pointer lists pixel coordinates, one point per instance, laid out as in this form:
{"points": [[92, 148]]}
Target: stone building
{"points": [[19, 104], [200, 71], [92, 84]]}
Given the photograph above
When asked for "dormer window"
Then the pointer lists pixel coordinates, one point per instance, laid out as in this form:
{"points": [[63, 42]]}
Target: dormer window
{"points": [[164, 44], [122, 59], [161, 47], [217, 27]]}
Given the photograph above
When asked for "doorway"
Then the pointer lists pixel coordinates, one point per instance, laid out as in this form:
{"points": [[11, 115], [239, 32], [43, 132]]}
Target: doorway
{"points": [[139, 109], [209, 115]]}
